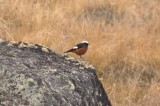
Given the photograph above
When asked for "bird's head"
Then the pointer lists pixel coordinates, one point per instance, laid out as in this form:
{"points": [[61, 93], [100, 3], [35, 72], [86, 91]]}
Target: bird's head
{"points": [[85, 43]]}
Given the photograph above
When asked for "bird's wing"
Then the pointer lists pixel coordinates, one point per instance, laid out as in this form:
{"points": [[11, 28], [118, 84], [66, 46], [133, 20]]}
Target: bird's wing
{"points": [[80, 45], [75, 47], [71, 50]]}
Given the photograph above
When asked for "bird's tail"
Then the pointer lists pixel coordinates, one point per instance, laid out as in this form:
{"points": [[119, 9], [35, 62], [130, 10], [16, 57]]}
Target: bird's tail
{"points": [[71, 50]]}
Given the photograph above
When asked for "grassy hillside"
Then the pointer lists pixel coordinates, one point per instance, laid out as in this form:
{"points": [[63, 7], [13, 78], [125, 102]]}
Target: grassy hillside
{"points": [[124, 37]]}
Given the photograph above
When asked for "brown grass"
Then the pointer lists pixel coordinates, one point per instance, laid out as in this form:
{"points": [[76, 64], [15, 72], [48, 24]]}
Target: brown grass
{"points": [[124, 37]]}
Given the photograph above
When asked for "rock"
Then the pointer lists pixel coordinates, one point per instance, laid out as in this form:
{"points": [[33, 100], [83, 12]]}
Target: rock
{"points": [[33, 75]]}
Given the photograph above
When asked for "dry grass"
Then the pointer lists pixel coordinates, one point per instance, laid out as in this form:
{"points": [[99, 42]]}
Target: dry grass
{"points": [[124, 37]]}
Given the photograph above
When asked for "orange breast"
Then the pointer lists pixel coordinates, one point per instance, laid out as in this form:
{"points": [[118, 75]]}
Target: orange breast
{"points": [[81, 51]]}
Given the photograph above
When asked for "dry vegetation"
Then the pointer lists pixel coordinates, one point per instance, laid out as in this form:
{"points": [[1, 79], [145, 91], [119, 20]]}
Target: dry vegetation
{"points": [[124, 38]]}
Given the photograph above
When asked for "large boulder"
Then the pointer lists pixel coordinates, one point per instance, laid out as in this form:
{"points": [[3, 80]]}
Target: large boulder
{"points": [[33, 75]]}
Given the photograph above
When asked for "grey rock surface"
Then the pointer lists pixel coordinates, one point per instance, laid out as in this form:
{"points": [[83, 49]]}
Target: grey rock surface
{"points": [[33, 75]]}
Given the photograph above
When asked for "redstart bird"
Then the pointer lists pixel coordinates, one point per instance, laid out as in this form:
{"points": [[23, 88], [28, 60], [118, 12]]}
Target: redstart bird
{"points": [[80, 49]]}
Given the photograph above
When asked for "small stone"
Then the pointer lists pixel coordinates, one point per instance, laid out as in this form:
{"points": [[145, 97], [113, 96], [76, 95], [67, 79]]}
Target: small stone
{"points": [[2, 41], [45, 49], [22, 45], [9, 44], [29, 45]]}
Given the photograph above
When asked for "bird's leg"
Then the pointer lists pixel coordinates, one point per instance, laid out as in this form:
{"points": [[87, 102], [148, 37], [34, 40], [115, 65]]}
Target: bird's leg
{"points": [[81, 57]]}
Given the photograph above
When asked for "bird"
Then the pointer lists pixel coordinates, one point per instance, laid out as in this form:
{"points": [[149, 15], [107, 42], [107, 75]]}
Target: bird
{"points": [[79, 49]]}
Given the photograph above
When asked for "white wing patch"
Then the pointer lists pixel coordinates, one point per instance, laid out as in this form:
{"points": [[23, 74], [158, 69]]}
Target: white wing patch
{"points": [[75, 47]]}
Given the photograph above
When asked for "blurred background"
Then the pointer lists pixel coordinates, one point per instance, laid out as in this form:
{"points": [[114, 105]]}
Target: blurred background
{"points": [[124, 37]]}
